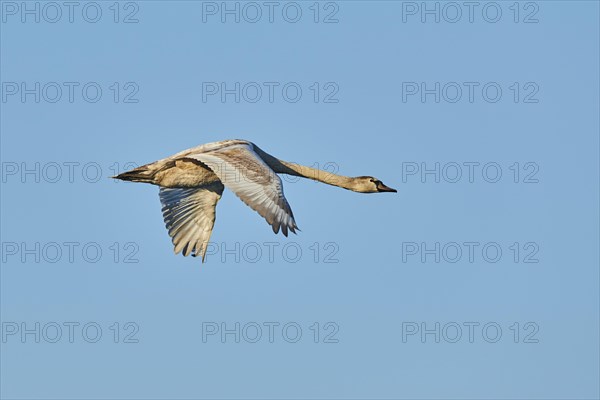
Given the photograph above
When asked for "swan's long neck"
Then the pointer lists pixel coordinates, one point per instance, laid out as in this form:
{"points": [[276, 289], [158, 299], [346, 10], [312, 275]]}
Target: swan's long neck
{"points": [[285, 167]]}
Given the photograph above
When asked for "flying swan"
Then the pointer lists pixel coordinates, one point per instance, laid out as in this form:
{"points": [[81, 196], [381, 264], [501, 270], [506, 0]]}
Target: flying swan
{"points": [[192, 181]]}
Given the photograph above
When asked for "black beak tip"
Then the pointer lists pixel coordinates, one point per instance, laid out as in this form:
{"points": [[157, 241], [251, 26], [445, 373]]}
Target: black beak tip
{"points": [[384, 188]]}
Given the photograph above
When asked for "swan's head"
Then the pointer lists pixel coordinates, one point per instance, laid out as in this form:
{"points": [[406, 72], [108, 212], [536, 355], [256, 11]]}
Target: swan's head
{"points": [[369, 184]]}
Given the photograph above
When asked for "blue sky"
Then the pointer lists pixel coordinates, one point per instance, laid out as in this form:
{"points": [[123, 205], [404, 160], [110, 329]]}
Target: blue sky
{"points": [[478, 279]]}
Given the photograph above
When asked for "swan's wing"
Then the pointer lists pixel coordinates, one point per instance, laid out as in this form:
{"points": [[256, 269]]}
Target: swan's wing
{"points": [[242, 171], [189, 215]]}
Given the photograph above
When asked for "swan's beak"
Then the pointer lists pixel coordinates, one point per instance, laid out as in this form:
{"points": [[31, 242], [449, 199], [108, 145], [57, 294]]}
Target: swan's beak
{"points": [[382, 188]]}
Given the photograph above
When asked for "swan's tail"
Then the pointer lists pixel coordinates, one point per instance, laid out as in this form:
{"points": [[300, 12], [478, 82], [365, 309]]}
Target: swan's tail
{"points": [[143, 174]]}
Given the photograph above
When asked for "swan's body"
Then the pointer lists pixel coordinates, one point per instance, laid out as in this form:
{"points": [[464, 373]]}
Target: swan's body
{"points": [[192, 181]]}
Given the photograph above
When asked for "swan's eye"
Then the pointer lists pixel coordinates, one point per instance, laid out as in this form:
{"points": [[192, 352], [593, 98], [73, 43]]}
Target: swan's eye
{"points": [[372, 180]]}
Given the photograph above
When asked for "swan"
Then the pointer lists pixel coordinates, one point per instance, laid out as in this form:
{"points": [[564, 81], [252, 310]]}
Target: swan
{"points": [[192, 181]]}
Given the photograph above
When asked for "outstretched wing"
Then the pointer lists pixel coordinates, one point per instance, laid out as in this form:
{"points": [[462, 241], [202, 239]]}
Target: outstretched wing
{"points": [[242, 171], [189, 215]]}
